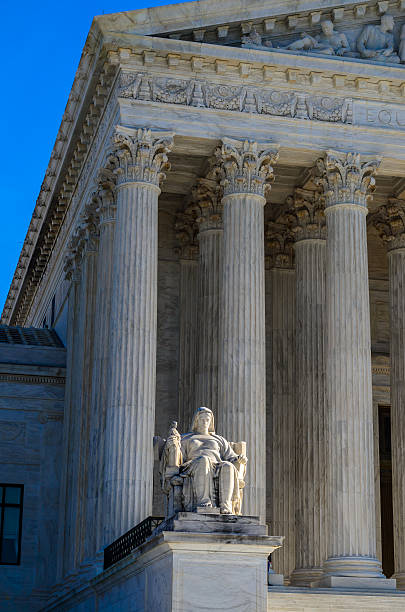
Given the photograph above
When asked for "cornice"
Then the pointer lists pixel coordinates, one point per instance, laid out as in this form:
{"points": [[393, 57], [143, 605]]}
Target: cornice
{"points": [[193, 16], [338, 76]]}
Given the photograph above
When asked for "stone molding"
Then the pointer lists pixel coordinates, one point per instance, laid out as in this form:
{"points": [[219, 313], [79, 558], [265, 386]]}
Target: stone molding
{"points": [[346, 178], [246, 166], [247, 99], [389, 220], [142, 155]]}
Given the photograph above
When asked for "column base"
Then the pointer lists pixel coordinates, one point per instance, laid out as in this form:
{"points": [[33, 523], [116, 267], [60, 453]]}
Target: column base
{"points": [[349, 582], [400, 578], [305, 576], [354, 573]]}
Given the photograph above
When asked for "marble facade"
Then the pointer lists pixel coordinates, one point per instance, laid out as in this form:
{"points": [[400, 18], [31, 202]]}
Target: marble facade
{"points": [[222, 224]]}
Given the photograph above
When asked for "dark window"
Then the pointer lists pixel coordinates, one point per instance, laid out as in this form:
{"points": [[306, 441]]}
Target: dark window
{"points": [[11, 507]]}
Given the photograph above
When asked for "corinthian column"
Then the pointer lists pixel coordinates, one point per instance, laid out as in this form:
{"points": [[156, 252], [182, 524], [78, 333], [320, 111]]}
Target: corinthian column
{"points": [[105, 199], [281, 383], [186, 234], [209, 220], [130, 418], [246, 168], [308, 225], [348, 181], [390, 221]]}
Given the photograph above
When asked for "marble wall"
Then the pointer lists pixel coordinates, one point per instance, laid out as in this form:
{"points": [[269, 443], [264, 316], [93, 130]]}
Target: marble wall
{"points": [[31, 415]]}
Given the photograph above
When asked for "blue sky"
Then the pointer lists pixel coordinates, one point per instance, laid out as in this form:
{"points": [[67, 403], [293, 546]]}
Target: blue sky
{"points": [[42, 43]]}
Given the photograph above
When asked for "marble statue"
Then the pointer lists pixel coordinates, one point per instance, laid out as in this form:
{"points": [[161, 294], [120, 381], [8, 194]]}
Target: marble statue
{"points": [[205, 465], [329, 42], [376, 42], [401, 50], [254, 39]]}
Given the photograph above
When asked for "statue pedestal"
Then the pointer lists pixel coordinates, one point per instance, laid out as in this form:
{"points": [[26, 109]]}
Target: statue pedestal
{"points": [[206, 562]]}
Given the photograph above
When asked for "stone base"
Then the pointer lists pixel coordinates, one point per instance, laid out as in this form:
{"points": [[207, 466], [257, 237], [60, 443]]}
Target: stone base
{"points": [[355, 572], [213, 522], [400, 578], [306, 576], [193, 567], [295, 599], [350, 582], [274, 579]]}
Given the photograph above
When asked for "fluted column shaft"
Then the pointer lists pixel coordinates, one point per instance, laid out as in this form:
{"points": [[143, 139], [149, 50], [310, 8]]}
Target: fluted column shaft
{"points": [[130, 417], [310, 262], [96, 505], [131, 412], [210, 241], [68, 425], [246, 168], [280, 447], [188, 340], [243, 374], [350, 464], [397, 301], [83, 417]]}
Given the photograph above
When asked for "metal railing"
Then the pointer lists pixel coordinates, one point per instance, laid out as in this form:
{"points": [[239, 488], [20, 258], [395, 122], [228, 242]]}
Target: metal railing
{"points": [[136, 536]]}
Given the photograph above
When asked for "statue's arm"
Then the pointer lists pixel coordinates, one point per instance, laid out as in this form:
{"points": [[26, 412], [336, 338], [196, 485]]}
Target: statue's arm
{"points": [[389, 45], [362, 41]]}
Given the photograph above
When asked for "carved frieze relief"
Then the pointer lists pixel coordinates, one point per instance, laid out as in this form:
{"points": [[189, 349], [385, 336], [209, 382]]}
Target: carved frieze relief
{"points": [[236, 98]]}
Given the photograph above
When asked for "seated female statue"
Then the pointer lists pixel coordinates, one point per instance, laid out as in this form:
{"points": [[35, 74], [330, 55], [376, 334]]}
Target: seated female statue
{"points": [[202, 455]]}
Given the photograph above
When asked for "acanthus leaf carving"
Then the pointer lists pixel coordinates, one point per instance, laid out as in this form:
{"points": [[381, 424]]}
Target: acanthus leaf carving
{"points": [[389, 220], [141, 154], [246, 166], [305, 215], [207, 205], [346, 178], [186, 230], [279, 244]]}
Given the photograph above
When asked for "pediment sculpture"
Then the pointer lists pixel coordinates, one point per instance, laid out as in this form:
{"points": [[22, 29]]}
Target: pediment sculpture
{"points": [[374, 42], [200, 470]]}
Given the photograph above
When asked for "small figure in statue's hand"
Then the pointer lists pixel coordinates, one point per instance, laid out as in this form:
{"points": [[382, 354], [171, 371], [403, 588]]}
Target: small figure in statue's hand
{"points": [[173, 446]]}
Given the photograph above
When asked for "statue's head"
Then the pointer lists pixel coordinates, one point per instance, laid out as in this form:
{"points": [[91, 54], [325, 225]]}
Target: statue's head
{"points": [[387, 23], [327, 27], [203, 413]]}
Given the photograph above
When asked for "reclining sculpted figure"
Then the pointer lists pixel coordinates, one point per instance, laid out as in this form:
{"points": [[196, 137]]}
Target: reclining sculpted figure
{"points": [[204, 466]]}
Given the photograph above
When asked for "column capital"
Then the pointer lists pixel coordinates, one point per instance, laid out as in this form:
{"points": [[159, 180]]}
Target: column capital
{"points": [[90, 226], [347, 178], [246, 166], [307, 215], [279, 244], [141, 154], [106, 181], [207, 205], [389, 220], [186, 234]]}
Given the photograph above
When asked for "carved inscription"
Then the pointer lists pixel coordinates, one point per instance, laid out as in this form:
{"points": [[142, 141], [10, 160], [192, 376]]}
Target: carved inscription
{"points": [[372, 114], [244, 99]]}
